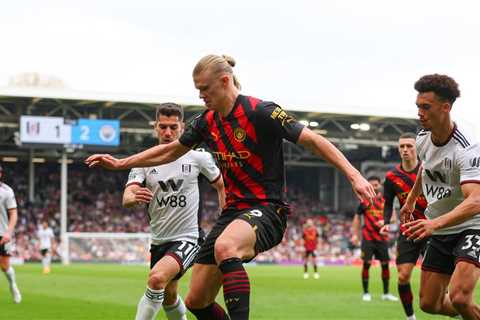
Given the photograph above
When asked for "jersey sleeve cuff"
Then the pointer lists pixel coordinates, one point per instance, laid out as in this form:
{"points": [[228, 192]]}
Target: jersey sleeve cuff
{"points": [[132, 183], [469, 181], [216, 179]]}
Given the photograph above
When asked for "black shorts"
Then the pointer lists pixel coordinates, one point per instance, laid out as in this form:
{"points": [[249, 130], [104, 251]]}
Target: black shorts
{"points": [[268, 221], [309, 253], [444, 251], [6, 249], [183, 252], [408, 251], [379, 249], [44, 251]]}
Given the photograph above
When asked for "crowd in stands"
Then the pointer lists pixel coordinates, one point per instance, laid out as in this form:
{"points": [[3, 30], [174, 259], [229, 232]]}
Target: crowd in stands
{"points": [[95, 205]]}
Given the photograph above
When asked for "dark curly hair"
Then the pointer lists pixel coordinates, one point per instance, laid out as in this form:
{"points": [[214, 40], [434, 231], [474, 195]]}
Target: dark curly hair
{"points": [[442, 85]]}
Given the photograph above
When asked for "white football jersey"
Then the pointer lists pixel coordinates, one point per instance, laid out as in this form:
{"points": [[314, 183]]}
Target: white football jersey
{"points": [[7, 201], [173, 211], [45, 236], [445, 168]]}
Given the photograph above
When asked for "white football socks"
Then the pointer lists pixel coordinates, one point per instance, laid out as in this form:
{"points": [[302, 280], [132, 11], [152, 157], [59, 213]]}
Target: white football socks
{"points": [[149, 304], [10, 274], [176, 311]]}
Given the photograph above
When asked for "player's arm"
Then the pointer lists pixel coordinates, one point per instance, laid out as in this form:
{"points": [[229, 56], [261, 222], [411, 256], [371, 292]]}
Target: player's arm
{"points": [[220, 187], [135, 194], [468, 208], [325, 149], [12, 221], [407, 209], [279, 122], [356, 229], [157, 155], [389, 196]]}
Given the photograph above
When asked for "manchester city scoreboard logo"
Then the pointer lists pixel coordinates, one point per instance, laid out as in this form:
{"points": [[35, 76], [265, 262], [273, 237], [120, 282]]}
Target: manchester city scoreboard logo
{"points": [[239, 134]]}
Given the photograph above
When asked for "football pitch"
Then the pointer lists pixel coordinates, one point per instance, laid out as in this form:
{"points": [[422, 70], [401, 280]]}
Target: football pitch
{"points": [[108, 291]]}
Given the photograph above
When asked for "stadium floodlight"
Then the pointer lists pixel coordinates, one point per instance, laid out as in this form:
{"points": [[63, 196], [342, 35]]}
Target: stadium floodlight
{"points": [[355, 126], [313, 124], [304, 122], [364, 127], [9, 159], [38, 160]]}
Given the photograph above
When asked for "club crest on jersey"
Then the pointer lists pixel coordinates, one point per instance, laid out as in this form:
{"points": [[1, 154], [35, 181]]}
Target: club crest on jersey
{"points": [[186, 168], [239, 134]]}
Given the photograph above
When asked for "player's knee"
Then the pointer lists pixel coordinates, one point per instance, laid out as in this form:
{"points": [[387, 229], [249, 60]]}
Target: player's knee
{"points": [[157, 280], [193, 302], [225, 248], [428, 306], [460, 298], [403, 277]]}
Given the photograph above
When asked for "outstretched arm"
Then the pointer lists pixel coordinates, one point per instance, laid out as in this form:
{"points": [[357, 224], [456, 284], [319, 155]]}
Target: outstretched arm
{"points": [[220, 187], [154, 156], [470, 206], [325, 149]]}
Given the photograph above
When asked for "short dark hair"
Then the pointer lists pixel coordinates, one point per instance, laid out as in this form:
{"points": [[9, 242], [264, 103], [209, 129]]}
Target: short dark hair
{"points": [[372, 178], [408, 135], [169, 109], [442, 85]]}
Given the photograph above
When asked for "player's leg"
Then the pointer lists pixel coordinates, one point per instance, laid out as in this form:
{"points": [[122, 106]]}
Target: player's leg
{"points": [[204, 286], [461, 289], [255, 230], [305, 265], [407, 256], [161, 274], [404, 289], [173, 304], [206, 277], [433, 294], [236, 244], [381, 253], [437, 268], [367, 255], [9, 272], [46, 259], [314, 263]]}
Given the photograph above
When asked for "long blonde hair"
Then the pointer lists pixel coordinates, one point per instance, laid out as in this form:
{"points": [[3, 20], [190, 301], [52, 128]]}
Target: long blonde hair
{"points": [[217, 64]]}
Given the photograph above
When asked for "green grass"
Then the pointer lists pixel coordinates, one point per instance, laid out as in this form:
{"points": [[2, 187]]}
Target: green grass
{"points": [[112, 292]]}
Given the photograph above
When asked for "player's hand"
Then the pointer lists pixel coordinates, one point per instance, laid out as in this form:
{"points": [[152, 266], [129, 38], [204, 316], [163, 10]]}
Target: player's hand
{"points": [[355, 241], [143, 195], [104, 160], [363, 189], [385, 230], [406, 212], [419, 229], [6, 238]]}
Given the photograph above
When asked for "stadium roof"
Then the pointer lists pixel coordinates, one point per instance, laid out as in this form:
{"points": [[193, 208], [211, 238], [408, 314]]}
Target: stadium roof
{"points": [[342, 126], [111, 98]]}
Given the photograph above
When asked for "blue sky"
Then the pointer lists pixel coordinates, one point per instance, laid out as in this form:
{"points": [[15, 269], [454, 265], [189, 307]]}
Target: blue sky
{"points": [[345, 54]]}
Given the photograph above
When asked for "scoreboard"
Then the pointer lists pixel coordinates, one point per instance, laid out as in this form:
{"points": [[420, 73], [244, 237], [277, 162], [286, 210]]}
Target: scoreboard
{"points": [[60, 132]]}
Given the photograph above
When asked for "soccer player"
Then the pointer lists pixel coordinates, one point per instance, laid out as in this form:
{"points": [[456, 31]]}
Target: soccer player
{"points": [[172, 194], [46, 236], [310, 242], [450, 181], [246, 135], [374, 244], [398, 183], [8, 220]]}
